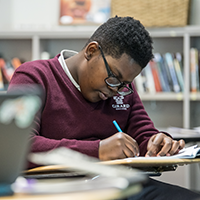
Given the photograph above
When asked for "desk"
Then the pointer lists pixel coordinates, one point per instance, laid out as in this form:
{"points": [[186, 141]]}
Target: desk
{"points": [[151, 161]]}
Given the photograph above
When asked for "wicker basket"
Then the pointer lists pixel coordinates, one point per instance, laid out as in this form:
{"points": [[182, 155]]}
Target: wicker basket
{"points": [[153, 13]]}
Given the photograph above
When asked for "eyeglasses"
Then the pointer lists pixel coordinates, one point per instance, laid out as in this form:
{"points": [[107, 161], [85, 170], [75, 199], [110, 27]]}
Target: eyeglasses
{"points": [[113, 81]]}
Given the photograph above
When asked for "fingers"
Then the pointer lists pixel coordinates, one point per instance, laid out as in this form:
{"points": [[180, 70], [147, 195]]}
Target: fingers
{"points": [[128, 145], [132, 148], [155, 145], [161, 145], [118, 146], [182, 144], [170, 147], [175, 147]]}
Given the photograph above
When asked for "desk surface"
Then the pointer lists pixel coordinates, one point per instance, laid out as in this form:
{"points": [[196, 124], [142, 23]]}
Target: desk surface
{"points": [[151, 161], [133, 162]]}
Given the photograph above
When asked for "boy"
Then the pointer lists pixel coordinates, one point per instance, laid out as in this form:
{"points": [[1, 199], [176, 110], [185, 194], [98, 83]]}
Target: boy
{"points": [[86, 91]]}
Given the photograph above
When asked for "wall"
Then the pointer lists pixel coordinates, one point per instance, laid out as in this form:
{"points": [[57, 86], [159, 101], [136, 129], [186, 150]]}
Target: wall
{"points": [[29, 13]]}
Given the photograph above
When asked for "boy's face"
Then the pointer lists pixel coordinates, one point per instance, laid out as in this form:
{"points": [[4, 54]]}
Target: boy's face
{"points": [[92, 79]]}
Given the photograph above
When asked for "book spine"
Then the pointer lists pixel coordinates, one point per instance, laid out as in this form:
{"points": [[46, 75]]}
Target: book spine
{"points": [[179, 74], [169, 61], [162, 73], [155, 76], [139, 83], [149, 83], [193, 70]]}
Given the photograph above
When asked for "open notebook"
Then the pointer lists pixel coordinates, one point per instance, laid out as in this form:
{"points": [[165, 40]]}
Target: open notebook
{"points": [[17, 112]]}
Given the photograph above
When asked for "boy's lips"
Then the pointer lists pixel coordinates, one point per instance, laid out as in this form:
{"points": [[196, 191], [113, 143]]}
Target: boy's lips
{"points": [[102, 96]]}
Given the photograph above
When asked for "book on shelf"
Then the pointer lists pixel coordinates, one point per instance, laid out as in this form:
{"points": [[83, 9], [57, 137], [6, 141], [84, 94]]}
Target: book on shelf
{"points": [[7, 68], [8, 71], [16, 62], [156, 77], [1, 81], [179, 73], [149, 80], [139, 83], [179, 57], [169, 60], [194, 70], [162, 73]]}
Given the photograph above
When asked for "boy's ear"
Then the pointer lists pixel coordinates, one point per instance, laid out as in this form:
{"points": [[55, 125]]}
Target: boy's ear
{"points": [[91, 49]]}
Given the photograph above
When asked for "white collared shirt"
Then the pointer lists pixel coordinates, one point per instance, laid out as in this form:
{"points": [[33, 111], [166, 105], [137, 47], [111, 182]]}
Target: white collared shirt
{"points": [[63, 55]]}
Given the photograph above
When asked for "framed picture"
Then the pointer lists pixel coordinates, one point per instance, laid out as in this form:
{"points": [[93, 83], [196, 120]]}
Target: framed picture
{"points": [[84, 11]]}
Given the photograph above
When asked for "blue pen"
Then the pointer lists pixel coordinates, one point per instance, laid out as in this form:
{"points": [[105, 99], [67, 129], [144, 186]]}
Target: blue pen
{"points": [[117, 126]]}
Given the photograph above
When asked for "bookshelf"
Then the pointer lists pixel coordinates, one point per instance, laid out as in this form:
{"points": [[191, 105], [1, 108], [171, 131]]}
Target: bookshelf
{"points": [[165, 108]]}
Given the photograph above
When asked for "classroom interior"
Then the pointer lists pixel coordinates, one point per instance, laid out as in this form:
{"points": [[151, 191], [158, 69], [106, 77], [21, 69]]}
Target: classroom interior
{"points": [[35, 29]]}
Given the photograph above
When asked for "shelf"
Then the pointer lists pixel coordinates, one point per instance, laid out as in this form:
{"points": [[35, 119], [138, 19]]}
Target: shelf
{"points": [[57, 32], [85, 31], [162, 96], [168, 96], [195, 96]]}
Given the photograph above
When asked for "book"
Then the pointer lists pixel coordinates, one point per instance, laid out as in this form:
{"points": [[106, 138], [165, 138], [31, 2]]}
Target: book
{"points": [[189, 152], [16, 62], [162, 73], [139, 83], [8, 71], [179, 74], [1, 74], [167, 72], [179, 57], [170, 64], [149, 80], [156, 78], [194, 70]]}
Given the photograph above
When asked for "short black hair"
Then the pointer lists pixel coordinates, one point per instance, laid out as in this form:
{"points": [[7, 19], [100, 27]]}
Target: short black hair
{"points": [[124, 35]]}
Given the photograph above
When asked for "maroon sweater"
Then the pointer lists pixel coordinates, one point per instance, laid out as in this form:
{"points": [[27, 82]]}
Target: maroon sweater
{"points": [[69, 120]]}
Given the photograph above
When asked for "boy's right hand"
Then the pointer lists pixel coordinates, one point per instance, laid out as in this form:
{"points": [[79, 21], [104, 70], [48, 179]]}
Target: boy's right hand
{"points": [[117, 146]]}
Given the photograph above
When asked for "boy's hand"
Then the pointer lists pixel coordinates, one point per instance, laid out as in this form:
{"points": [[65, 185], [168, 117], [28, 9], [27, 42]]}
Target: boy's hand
{"points": [[118, 146], [161, 145]]}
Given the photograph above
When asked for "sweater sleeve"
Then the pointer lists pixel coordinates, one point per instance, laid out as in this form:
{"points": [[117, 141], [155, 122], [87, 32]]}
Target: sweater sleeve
{"points": [[140, 126]]}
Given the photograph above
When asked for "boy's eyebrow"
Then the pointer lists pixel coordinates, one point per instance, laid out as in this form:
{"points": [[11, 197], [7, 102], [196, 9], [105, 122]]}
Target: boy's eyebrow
{"points": [[120, 76]]}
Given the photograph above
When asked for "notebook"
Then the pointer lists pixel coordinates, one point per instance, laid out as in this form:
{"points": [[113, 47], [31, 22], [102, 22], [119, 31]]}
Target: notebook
{"points": [[17, 112]]}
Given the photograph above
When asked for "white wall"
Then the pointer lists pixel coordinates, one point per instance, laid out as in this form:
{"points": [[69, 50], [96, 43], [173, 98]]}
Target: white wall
{"points": [[29, 13], [5, 13]]}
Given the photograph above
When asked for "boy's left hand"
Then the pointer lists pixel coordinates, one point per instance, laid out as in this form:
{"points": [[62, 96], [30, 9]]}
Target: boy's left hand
{"points": [[163, 145]]}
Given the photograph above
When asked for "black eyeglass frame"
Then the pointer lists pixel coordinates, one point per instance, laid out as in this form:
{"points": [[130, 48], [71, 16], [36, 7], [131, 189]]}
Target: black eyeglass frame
{"points": [[110, 74]]}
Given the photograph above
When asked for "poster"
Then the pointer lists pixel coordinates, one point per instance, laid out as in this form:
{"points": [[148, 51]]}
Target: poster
{"points": [[84, 11]]}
